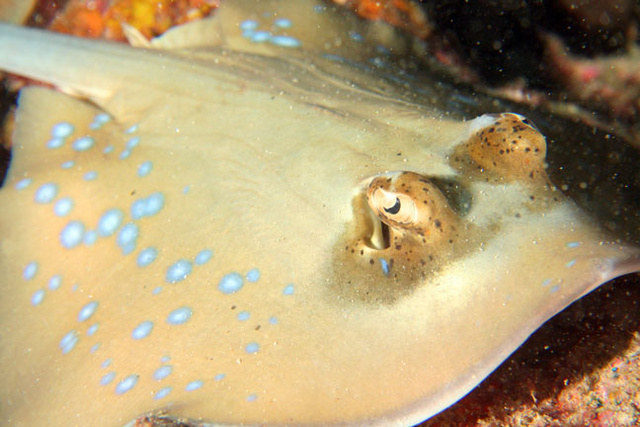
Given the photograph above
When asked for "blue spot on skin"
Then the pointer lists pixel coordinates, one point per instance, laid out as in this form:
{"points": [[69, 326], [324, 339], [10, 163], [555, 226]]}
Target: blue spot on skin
{"points": [[285, 41], [253, 275], [46, 193], [273, 320], [68, 164], [204, 256], [83, 144], [282, 23], [554, 289], [162, 372], [108, 149], [335, 58], [179, 316], [90, 176], [94, 348], [573, 244], [90, 237], [179, 271], [252, 398], [63, 206], [385, 266], [156, 290], [231, 283], [570, 263], [260, 36], [162, 393], [23, 183], [69, 341], [106, 363], [133, 143], [243, 315], [252, 348], [62, 130], [72, 234], [155, 203], [127, 238], [147, 206], [87, 311], [30, 271], [219, 377], [92, 329], [95, 125], [125, 154], [100, 120], [138, 208], [145, 168], [37, 297], [288, 290], [378, 62], [355, 36], [142, 330], [55, 142], [186, 189], [127, 384], [110, 222], [55, 282], [165, 359], [132, 129], [383, 50], [194, 385], [249, 24], [107, 378], [146, 257]]}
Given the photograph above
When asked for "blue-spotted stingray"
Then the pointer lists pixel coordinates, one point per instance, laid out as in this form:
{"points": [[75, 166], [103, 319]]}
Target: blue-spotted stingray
{"points": [[253, 221]]}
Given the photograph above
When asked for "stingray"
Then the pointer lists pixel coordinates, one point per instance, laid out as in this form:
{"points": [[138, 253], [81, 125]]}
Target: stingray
{"points": [[254, 220]]}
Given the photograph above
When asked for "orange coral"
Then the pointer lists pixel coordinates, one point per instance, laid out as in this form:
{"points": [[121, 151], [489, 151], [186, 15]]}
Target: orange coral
{"points": [[102, 18], [405, 14]]}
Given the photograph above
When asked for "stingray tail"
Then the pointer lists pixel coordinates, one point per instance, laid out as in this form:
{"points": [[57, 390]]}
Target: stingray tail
{"points": [[69, 63], [88, 68]]}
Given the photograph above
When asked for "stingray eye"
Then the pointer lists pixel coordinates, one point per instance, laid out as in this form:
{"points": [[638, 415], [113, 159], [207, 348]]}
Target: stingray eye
{"points": [[396, 207]]}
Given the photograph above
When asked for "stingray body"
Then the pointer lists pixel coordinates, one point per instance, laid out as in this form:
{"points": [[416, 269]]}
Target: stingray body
{"points": [[267, 233]]}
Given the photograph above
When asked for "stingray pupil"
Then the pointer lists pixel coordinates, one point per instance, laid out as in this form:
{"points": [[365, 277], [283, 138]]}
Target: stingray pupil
{"points": [[394, 209]]}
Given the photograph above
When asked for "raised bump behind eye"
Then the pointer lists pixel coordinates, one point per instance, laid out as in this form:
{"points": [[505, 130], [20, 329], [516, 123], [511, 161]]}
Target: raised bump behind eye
{"points": [[509, 148]]}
